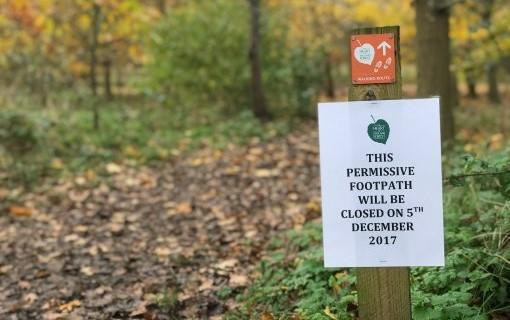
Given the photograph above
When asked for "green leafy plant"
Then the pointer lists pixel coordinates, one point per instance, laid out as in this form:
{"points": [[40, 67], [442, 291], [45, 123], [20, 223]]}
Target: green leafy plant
{"points": [[201, 61], [474, 284]]}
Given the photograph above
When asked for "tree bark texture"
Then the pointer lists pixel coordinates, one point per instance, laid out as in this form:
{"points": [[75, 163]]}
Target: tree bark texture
{"points": [[94, 43], [433, 59], [259, 104], [107, 66], [383, 293]]}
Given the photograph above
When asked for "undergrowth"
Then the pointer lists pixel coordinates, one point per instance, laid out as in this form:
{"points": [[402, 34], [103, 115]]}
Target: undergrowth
{"points": [[474, 284], [38, 143]]}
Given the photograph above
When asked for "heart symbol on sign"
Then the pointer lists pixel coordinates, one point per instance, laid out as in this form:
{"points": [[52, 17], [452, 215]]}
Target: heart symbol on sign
{"points": [[365, 54]]}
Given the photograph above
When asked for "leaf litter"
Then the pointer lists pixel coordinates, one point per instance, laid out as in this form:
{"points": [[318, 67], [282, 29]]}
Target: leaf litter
{"points": [[113, 247]]}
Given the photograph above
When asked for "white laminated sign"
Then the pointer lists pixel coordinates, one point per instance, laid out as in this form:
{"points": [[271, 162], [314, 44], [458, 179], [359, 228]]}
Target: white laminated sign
{"points": [[381, 183]]}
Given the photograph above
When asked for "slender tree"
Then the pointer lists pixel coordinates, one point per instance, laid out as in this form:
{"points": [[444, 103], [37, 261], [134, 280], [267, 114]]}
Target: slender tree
{"points": [[107, 68], [433, 58], [491, 67], [259, 104], [94, 45]]}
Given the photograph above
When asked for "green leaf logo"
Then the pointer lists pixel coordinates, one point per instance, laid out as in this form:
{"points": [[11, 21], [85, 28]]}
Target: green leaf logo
{"points": [[379, 131]]}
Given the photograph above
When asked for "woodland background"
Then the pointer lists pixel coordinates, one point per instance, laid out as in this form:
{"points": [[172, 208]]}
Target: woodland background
{"points": [[158, 158]]}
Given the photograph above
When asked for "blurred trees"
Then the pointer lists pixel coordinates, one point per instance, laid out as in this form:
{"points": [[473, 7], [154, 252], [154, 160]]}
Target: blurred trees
{"points": [[481, 42], [200, 57], [50, 44], [195, 54]]}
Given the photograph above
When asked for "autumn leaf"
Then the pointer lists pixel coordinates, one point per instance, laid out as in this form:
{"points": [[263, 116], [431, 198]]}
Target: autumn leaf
{"points": [[70, 306], [313, 206], [29, 298], [113, 168], [207, 284], [266, 173], [88, 271], [162, 252], [57, 164], [238, 280], [266, 316], [184, 208], [20, 211], [496, 142], [227, 264], [78, 195], [140, 309], [330, 314]]}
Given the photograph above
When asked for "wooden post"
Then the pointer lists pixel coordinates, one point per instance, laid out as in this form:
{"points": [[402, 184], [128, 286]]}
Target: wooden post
{"points": [[383, 293]]}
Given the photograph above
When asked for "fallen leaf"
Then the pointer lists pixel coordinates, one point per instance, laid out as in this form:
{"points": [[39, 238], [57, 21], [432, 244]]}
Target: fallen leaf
{"points": [[140, 309], [88, 271], [184, 208], [71, 237], [231, 171], [5, 269], [132, 151], [56, 163], [116, 228], [93, 251], [266, 316], [81, 228], [496, 142], [113, 168], [19, 211], [162, 252], [266, 173], [80, 181], [90, 175], [78, 196], [238, 280], [330, 314], [29, 298], [226, 264], [70, 306], [24, 284], [313, 206], [207, 284]]}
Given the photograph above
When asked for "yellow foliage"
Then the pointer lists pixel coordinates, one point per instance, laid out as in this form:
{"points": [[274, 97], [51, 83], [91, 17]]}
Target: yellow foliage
{"points": [[83, 21], [78, 68]]}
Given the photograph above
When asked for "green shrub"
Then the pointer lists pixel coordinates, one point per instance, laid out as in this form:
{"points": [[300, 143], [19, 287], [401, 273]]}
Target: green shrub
{"points": [[474, 284], [200, 54], [17, 132]]}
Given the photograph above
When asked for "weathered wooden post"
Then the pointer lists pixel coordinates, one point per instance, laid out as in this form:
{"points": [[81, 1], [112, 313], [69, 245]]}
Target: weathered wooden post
{"points": [[383, 293], [381, 181]]}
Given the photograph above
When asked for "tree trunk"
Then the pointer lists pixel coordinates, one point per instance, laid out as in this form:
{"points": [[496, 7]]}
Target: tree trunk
{"points": [[259, 105], [330, 83], [96, 16], [107, 64], [491, 68], [433, 59], [161, 6], [454, 90], [94, 43], [492, 80], [471, 83]]}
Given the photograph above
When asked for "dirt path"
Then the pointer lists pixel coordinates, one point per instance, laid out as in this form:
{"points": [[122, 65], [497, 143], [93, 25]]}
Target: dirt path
{"points": [[108, 248]]}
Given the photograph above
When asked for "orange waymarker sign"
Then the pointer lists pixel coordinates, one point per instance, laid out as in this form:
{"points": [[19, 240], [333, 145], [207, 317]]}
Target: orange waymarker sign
{"points": [[373, 58]]}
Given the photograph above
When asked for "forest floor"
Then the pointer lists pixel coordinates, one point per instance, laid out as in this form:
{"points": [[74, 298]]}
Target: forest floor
{"points": [[156, 242]]}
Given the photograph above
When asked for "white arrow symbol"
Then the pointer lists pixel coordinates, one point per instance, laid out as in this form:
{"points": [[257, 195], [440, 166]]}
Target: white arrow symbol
{"points": [[384, 45]]}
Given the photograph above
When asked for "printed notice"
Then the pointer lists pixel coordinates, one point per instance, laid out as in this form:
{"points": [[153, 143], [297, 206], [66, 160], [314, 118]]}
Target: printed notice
{"points": [[381, 183]]}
